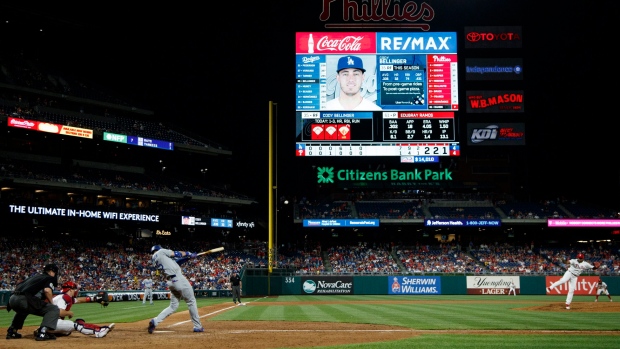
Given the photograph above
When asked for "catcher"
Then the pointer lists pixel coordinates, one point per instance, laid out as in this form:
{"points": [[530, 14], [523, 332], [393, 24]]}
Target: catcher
{"points": [[602, 288], [65, 327], [575, 268]]}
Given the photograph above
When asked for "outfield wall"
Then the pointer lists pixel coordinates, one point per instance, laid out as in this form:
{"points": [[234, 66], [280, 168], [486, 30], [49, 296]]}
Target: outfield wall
{"points": [[259, 282]]}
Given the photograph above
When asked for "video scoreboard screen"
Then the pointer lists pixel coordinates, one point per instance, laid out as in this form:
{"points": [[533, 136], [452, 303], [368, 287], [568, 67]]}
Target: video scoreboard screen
{"points": [[376, 94], [50, 128]]}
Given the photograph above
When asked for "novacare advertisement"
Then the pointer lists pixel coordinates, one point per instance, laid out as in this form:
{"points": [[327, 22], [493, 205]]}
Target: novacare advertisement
{"points": [[414, 285], [327, 285]]}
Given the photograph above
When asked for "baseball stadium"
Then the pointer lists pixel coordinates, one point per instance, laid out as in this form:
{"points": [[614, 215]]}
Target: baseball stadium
{"points": [[150, 196]]}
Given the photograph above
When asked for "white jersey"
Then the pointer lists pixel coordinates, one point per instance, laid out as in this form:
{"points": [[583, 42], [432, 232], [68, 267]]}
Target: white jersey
{"points": [[365, 104], [63, 326], [148, 283], [576, 268], [602, 286], [63, 301], [179, 286], [162, 260]]}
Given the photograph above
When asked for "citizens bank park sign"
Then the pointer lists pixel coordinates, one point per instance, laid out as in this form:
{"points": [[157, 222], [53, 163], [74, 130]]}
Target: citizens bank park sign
{"points": [[327, 175]]}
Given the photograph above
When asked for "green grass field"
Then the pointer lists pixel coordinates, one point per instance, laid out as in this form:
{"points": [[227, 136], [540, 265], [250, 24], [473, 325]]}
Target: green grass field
{"points": [[441, 313]]}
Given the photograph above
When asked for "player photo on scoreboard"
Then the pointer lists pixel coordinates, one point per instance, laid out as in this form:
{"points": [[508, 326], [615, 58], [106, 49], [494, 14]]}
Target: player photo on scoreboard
{"points": [[188, 220], [351, 83]]}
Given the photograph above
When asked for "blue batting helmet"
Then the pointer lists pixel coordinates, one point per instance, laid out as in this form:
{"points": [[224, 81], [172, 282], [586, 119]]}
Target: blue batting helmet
{"points": [[155, 248]]}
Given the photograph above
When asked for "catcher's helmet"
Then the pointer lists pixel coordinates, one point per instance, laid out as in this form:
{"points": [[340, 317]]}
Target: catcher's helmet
{"points": [[155, 248], [580, 256], [69, 285]]}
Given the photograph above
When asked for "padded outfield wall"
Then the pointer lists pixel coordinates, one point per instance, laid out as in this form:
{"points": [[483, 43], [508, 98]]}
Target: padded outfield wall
{"points": [[258, 282]]}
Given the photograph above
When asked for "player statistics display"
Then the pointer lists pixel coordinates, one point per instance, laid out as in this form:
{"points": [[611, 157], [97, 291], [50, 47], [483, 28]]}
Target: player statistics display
{"points": [[376, 94]]}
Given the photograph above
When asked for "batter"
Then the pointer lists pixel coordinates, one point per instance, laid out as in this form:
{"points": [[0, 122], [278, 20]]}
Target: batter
{"points": [[179, 286]]}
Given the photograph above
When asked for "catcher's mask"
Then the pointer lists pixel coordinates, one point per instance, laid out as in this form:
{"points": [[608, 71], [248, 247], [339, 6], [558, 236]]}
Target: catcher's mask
{"points": [[69, 285]]}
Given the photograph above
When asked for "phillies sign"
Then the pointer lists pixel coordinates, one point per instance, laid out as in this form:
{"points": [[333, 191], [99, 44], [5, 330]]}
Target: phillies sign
{"points": [[410, 14]]}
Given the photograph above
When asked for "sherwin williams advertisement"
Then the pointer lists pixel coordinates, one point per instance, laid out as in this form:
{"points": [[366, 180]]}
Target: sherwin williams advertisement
{"points": [[414, 285]]}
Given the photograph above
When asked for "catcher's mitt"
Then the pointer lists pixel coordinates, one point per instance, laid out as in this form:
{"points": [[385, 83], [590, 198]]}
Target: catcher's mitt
{"points": [[102, 298]]}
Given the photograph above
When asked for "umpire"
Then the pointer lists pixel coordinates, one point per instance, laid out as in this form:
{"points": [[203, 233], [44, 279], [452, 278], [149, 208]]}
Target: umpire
{"points": [[235, 282], [34, 296]]}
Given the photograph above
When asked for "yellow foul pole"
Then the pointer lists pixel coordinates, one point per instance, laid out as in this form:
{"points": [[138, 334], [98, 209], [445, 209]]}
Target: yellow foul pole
{"points": [[271, 189]]}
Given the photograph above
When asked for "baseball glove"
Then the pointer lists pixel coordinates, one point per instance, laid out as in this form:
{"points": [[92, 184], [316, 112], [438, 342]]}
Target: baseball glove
{"points": [[102, 298], [597, 265]]}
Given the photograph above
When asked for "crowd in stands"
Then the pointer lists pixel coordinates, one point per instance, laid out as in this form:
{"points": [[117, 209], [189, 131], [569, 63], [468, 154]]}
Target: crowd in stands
{"points": [[389, 210], [444, 258], [302, 261], [362, 259], [418, 204], [505, 258], [111, 266], [24, 69], [325, 209], [121, 266], [51, 96], [99, 124], [14, 168]]}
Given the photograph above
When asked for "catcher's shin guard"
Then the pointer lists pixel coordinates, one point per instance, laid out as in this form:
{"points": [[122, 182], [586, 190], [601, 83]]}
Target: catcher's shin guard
{"points": [[86, 328]]}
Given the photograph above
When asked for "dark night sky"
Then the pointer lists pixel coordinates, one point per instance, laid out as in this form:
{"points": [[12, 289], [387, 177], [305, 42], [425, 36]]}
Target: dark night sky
{"points": [[217, 66]]}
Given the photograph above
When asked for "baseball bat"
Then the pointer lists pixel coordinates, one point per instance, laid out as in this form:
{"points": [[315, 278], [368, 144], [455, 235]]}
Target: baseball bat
{"points": [[213, 250]]}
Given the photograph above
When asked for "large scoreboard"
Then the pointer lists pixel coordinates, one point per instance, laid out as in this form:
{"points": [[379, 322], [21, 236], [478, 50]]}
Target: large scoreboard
{"points": [[376, 94]]}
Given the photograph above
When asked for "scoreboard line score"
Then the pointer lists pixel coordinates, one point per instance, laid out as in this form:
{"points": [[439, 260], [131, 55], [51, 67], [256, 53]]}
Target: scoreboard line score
{"points": [[374, 149]]}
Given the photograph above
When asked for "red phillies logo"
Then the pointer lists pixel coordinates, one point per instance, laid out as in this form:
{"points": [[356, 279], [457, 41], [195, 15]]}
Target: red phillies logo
{"points": [[358, 11]]}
